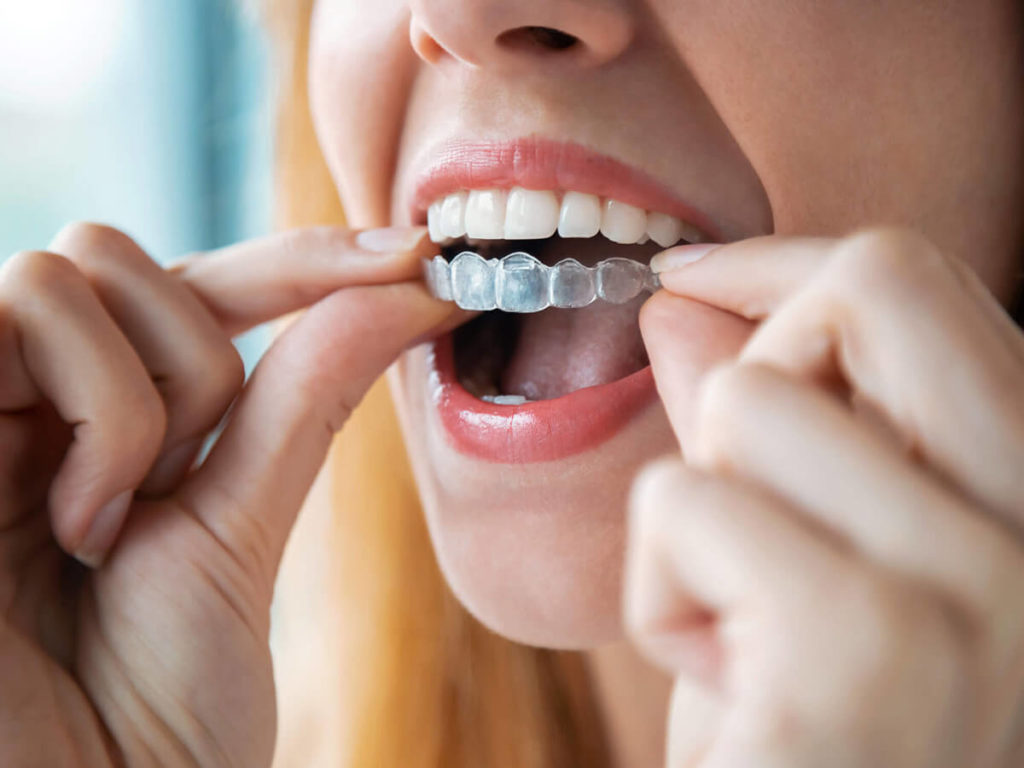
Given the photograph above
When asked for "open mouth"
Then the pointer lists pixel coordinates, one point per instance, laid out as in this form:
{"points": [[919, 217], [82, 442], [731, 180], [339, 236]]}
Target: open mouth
{"points": [[512, 359]]}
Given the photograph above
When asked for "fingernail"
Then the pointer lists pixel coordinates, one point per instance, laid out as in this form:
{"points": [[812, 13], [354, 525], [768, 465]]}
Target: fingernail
{"points": [[391, 239], [171, 467], [103, 531], [680, 256]]}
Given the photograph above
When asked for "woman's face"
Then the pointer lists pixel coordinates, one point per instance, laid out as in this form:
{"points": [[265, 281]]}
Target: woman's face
{"points": [[738, 118]]}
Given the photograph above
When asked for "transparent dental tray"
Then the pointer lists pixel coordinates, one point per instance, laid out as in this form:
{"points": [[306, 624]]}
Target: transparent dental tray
{"points": [[520, 282]]}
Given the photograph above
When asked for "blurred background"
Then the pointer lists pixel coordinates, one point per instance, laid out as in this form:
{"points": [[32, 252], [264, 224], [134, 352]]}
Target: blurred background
{"points": [[153, 116]]}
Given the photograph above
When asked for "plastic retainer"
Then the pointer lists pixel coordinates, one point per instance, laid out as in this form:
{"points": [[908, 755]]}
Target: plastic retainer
{"points": [[520, 282]]}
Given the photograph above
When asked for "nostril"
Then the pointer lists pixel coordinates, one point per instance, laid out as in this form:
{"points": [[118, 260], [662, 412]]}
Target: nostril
{"points": [[537, 37]]}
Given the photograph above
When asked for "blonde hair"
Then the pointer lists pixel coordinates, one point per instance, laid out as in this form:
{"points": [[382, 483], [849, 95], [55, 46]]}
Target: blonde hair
{"points": [[425, 685]]}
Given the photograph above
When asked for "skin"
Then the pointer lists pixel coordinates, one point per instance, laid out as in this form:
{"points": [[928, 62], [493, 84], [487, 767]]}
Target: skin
{"points": [[789, 366], [929, 139]]}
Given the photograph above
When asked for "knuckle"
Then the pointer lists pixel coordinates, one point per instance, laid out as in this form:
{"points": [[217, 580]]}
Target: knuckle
{"points": [[728, 394], [144, 421], [37, 273], [224, 379], [886, 261], [898, 622], [198, 397], [94, 246], [227, 375], [655, 480], [129, 438], [90, 236]]}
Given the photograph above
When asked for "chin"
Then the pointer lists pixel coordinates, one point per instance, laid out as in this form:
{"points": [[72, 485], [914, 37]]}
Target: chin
{"points": [[533, 549]]}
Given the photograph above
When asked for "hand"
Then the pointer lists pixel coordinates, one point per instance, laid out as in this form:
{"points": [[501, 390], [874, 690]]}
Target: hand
{"points": [[112, 371], [834, 575]]}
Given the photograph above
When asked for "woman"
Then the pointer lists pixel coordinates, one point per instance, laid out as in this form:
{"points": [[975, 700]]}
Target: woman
{"points": [[830, 578]]}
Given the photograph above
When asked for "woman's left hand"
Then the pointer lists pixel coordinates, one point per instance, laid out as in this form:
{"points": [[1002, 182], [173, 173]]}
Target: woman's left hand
{"points": [[835, 575]]}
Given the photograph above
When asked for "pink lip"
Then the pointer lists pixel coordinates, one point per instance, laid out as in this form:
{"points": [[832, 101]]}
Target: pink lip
{"points": [[550, 429], [533, 432], [536, 163]]}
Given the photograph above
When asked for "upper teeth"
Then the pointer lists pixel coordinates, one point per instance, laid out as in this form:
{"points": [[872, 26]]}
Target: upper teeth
{"points": [[528, 214]]}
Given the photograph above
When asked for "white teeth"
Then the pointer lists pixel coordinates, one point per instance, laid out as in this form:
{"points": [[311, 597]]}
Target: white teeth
{"points": [[691, 234], [623, 223], [506, 399], [580, 215], [530, 214], [485, 214], [453, 215], [434, 221], [663, 229], [527, 214]]}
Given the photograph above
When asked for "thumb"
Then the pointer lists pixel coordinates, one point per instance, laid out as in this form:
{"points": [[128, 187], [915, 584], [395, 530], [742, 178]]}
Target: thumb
{"points": [[253, 483], [685, 339]]}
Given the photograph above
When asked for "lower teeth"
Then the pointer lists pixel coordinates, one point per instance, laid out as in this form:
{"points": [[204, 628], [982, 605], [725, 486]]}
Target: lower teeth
{"points": [[506, 399]]}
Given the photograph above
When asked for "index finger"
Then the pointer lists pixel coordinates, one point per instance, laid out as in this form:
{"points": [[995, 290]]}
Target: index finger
{"points": [[302, 391], [750, 278], [259, 280]]}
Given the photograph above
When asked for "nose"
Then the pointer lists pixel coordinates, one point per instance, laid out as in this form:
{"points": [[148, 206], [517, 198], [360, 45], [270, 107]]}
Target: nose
{"points": [[511, 33]]}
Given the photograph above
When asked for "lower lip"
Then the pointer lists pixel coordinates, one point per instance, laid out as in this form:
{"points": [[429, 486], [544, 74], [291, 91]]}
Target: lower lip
{"points": [[545, 430]]}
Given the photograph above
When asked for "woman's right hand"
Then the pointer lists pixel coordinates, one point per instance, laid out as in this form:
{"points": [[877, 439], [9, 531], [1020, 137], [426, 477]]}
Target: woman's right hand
{"points": [[112, 371]]}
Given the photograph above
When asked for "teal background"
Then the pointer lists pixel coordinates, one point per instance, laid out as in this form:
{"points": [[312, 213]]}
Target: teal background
{"points": [[168, 137]]}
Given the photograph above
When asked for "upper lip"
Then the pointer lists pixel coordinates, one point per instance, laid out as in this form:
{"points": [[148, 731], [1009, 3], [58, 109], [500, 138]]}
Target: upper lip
{"points": [[539, 163]]}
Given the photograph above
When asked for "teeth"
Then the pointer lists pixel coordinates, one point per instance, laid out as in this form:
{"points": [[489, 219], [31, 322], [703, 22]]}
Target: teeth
{"points": [[530, 214], [623, 223], [485, 214], [663, 229], [434, 221], [506, 399], [691, 234], [453, 215], [580, 215]]}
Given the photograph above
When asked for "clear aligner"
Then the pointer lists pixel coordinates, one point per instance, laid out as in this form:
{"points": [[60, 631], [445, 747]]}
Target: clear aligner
{"points": [[520, 282]]}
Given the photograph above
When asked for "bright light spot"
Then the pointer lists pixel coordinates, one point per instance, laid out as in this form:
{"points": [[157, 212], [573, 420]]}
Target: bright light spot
{"points": [[54, 52]]}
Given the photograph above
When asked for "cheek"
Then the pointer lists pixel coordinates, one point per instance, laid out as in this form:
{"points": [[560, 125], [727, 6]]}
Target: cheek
{"points": [[360, 74], [899, 112]]}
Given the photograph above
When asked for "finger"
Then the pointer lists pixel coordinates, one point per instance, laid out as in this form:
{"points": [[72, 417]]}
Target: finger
{"points": [[894, 340], [701, 547], [685, 339], [817, 650], [250, 283], [889, 313], [251, 486], [762, 425], [750, 278], [190, 358], [76, 358], [695, 715], [754, 277]]}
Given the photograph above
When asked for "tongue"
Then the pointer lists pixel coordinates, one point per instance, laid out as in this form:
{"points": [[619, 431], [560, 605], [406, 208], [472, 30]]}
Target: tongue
{"points": [[561, 351]]}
